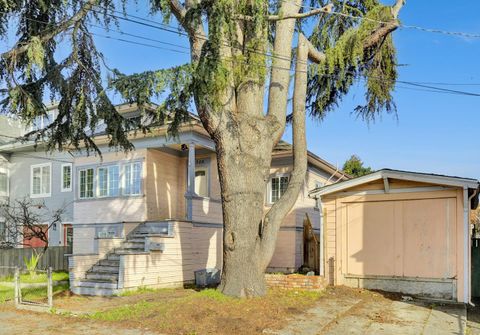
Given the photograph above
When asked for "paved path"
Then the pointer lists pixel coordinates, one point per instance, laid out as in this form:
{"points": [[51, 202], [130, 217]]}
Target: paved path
{"points": [[358, 316]]}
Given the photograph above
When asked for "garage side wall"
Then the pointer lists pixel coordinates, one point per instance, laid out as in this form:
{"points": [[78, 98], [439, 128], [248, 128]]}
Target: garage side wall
{"points": [[409, 242]]}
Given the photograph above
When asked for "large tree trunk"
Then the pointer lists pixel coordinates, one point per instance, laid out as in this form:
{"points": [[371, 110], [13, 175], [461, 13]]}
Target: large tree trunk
{"points": [[244, 166], [245, 136]]}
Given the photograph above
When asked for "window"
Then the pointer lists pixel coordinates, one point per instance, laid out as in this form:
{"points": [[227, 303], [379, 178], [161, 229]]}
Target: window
{"points": [[43, 121], [278, 187], [3, 231], [201, 182], [66, 177], [40, 183], [3, 182], [108, 181], [86, 183], [133, 178]]}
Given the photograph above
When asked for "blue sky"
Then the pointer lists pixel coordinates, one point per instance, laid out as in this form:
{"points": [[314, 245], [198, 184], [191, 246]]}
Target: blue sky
{"points": [[433, 133]]}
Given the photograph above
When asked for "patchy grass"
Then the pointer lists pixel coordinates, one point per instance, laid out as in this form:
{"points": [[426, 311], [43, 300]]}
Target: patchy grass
{"points": [[200, 312], [30, 293], [143, 290], [41, 278], [6, 293]]}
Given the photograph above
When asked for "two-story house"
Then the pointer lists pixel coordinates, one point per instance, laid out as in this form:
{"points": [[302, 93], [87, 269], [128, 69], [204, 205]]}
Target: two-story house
{"points": [[152, 216]]}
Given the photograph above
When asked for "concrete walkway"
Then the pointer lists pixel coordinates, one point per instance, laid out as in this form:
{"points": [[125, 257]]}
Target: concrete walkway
{"points": [[347, 315]]}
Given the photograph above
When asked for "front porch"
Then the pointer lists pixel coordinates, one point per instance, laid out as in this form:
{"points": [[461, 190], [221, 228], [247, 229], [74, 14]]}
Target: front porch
{"points": [[158, 236]]}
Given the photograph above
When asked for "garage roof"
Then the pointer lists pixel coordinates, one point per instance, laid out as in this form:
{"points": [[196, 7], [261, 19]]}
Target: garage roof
{"points": [[397, 174]]}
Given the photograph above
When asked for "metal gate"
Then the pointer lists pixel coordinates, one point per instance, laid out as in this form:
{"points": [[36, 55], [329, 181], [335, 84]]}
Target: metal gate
{"points": [[34, 288]]}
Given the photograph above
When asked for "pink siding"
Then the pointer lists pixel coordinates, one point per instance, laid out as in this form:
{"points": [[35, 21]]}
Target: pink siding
{"points": [[397, 235]]}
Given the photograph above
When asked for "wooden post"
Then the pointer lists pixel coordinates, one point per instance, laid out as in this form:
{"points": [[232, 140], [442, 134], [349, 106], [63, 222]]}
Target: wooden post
{"points": [[50, 287], [190, 180], [17, 286]]}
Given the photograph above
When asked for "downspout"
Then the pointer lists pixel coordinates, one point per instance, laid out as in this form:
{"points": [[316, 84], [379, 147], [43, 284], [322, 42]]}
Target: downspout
{"points": [[466, 211]]}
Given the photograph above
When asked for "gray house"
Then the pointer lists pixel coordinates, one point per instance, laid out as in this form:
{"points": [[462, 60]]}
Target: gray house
{"points": [[46, 179]]}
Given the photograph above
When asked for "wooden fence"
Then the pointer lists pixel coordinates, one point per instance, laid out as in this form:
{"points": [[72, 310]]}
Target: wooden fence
{"points": [[311, 247], [54, 257]]}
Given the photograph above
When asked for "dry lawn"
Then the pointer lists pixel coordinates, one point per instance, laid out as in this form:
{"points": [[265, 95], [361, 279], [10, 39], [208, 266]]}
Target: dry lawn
{"points": [[186, 311]]}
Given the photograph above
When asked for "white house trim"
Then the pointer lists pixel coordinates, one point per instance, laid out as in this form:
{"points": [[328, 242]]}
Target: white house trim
{"points": [[396, 174], [6, 170], [62, 188], [40, 195]]}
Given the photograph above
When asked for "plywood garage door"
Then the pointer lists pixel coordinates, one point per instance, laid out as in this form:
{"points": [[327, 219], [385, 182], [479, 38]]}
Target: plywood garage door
{"points": [[410, 238]]}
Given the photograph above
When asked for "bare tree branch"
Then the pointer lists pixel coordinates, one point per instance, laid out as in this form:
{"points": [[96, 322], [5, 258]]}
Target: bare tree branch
{"points": [[273, 218], [60, 27], [385, 28], [25, 221], [280, 79], [325, 9]]}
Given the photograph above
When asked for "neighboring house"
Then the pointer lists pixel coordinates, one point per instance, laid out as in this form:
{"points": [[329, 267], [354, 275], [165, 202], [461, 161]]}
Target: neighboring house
{"points": [[401, 231], [152, 216]]}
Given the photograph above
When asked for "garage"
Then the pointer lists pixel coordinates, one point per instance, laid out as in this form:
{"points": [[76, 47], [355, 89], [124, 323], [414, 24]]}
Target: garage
{"points": [[400, 231]]}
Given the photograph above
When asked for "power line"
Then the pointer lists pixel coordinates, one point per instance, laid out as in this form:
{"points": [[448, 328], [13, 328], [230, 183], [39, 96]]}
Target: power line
{"points": [[140, 37], [426, 88], [154, 25], [140, 43], [418, 84], [428, 30]]}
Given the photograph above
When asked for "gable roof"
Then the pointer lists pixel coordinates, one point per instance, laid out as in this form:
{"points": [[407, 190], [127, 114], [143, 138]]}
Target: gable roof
{"points": [[397, 174], [284, 147]]}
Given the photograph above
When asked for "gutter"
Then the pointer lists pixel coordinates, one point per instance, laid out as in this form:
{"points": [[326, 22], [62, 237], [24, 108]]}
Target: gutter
{"points": [[466, 212]]}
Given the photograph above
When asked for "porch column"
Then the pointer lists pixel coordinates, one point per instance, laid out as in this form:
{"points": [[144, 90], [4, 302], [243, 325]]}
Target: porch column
{"points": [[190, 180]]}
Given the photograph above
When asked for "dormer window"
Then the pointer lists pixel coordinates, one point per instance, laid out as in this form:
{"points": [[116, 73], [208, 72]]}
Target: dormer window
{"points": [[43, 121]]}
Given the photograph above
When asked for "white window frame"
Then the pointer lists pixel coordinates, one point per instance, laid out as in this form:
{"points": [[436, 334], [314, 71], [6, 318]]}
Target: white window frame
{"points": [[41, 166], [51, 115], [270, 184], [124, 178], [62, 188], [5, 170], [79, 183], [97, 178]]}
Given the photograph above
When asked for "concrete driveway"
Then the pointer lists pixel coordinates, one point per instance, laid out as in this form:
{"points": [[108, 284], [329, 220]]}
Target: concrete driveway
{"points": [[367, 315]]}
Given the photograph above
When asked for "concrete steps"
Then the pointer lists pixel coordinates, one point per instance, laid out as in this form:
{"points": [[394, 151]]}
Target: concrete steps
{"points": [[102, 278], [105, 269]]}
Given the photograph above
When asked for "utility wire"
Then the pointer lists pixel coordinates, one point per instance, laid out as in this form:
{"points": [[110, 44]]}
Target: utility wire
{"points": [[428, 30], [428, 87], [422, 85], [171, 29]]}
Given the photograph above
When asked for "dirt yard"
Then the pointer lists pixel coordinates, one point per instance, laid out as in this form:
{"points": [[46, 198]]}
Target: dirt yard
{"points": [[336, 311]]}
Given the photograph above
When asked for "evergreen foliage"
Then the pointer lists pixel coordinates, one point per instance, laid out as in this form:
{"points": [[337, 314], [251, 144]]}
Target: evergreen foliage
{"points": [[354, 167], [235, 48]]}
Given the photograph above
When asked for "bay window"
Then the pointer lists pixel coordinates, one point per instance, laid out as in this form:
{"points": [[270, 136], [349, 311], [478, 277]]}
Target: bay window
{"points": [[108, 181], [133, 178]]}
